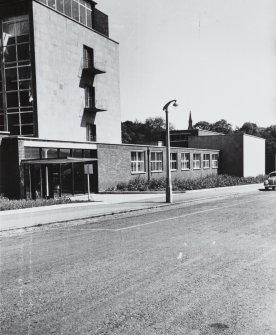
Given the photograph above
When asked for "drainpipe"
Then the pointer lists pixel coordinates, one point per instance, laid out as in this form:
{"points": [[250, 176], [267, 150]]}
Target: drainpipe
{"points": [[148, 152]]}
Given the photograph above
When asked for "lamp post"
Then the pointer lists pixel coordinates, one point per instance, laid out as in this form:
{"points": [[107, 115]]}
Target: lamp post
{"points": [[168, 153]]}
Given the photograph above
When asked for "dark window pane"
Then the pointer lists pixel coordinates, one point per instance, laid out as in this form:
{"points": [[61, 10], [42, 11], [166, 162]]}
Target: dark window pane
{"points": [[67, 7], [1, 102], [25, 84], [13, 124], [25, 97], [87, 153], [10, 54], [2, 127], [23, 39], [64, 153], [75, 10], [27, 130], [52, 3], [22, 28], [77, 153], [89, 18], [12, 99], [24, 72], [79, 178], [82, 15], [11, 79], [60, 6], [27, 118], [23, 52]]}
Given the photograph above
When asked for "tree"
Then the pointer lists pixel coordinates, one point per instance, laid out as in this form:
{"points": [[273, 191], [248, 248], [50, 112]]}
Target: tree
{"points": [[151, 130], [222, 126], [250, 128], [203, 125]]}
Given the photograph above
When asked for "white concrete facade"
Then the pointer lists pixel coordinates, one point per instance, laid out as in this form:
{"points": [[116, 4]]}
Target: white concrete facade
{"points": [[59, 43], [253, 156]]}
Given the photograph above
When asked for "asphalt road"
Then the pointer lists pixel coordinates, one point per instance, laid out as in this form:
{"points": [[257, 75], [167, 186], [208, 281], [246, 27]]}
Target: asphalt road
{"points": [[207, 267]]}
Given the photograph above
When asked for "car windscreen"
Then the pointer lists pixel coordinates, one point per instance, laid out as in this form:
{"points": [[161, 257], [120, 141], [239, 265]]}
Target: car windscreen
{"points": [[272, 174]]}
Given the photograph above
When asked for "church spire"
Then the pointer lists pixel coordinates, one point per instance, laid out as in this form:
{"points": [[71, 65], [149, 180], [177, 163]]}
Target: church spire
{"points": [[190, 122]]}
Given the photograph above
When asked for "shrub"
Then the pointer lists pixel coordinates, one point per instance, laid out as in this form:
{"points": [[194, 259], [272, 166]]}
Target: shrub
{"points": [[182, 184], [7, 204]]}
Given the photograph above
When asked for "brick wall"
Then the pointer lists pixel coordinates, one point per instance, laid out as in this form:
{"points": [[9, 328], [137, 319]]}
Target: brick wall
{"points": [[114, 164]]}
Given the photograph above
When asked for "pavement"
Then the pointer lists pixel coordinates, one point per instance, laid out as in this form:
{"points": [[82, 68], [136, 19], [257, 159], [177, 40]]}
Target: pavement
{"points": [[107, 204], [204, 266]]}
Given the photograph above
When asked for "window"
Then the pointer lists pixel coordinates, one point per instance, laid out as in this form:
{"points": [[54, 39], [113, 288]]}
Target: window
{"points": [[137, 161], [91, 132], [156, 158], [173, 161], [79, 10], [17, 88], [215, 158], [88, 58], [196, 161], [185, 161], [206, 161], [89, 93]]}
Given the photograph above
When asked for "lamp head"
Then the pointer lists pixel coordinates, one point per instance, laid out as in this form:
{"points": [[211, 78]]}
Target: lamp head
{"points": [[165, 108]]}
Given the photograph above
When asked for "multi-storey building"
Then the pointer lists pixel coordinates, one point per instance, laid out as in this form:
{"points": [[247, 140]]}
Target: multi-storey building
{"points": [[60, 105]]}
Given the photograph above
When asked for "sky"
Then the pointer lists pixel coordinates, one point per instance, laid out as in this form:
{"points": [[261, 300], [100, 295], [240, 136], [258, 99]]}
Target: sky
{"points": [[216, 57]]}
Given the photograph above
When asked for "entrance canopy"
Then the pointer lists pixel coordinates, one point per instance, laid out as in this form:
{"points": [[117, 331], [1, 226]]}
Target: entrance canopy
{"points": [[67, 160]]}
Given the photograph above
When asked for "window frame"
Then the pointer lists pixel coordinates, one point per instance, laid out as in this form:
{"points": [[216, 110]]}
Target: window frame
{"points": [[184, 161], [156, 161], [91, 133], [206, 162], [173, 161], [215, 160], [18, 111], [78, 4], [136, 162], [196, 160]]}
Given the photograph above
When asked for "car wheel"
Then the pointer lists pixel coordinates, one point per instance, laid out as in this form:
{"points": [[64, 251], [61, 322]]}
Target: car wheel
{"points": [[273, 188], [266, 188]]}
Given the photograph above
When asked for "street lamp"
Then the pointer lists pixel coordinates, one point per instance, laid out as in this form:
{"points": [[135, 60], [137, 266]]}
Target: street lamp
{"points": [[168, 153]]}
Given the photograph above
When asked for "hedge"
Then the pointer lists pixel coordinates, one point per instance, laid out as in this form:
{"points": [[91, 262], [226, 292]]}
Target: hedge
{"points": [[7, 204], [141, 184]]}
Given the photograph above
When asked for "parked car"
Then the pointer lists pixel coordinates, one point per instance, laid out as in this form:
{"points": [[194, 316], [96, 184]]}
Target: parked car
{"points": [[270, 182]]}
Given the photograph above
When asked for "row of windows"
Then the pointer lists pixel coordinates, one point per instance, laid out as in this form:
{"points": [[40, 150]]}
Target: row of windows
{"points": [[78, 10], [16, 96], [53, 153], [156, 161]]}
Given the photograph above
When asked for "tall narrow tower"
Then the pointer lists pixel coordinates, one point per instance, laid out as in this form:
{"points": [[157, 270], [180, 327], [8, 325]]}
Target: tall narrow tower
{"points": [[190, 122]]}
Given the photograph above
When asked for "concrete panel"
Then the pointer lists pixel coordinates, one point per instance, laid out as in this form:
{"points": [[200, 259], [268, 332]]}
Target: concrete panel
{"points": [[59, 45], [253, 155]]}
